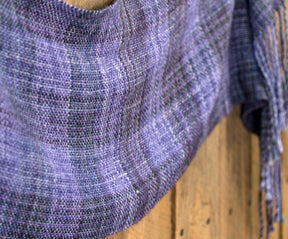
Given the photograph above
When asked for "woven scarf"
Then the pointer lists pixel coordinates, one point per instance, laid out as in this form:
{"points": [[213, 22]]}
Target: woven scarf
{"points": [[102, 111]]}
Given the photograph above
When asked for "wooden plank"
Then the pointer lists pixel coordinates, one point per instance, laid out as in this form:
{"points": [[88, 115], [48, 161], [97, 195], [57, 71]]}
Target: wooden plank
{"points": [[197, 192], [284, 177], [217, 197], [284, 162], [90, 4], [255, 179], [236, 179]]}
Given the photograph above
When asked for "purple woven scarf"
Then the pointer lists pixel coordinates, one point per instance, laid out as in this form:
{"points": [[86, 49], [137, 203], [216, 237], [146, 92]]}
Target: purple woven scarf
{"points": [[101, 112]]}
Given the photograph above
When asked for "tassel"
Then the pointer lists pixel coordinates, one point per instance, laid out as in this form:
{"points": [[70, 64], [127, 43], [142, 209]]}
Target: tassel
{"points": [[271, 55]]}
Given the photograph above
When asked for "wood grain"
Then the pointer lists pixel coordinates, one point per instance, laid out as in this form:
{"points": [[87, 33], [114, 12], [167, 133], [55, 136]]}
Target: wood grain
{"points": [[217, 196], [194, 203], [284, 162], [90, 4]]}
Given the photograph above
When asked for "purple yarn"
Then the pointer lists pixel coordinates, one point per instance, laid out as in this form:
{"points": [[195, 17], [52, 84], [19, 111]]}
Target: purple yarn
{"points": [[101, 112]]}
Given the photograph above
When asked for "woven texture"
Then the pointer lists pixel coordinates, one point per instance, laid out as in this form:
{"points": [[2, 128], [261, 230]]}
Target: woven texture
{"points": [[101, 112]]}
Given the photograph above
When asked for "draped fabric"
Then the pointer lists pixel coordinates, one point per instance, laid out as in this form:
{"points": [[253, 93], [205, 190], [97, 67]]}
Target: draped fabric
{"points": [[101, 112]]}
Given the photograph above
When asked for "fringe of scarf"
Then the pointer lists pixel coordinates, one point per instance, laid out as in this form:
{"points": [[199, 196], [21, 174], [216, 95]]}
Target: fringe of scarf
{"points": [[270, 48]]}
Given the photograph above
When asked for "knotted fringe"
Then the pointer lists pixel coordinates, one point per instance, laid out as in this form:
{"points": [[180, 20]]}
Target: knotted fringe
{"points": [[271, 54]]}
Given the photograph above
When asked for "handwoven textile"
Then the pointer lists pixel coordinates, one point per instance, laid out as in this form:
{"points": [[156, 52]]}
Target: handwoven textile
{"points": [[101, 112]]}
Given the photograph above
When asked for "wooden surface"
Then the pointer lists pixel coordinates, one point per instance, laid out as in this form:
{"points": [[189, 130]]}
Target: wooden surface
{"points": [[90, 4], [217, 197]]}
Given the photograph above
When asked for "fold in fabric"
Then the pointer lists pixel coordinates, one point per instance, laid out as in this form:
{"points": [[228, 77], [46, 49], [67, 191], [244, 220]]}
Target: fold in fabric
{"points": [[101, 112]]}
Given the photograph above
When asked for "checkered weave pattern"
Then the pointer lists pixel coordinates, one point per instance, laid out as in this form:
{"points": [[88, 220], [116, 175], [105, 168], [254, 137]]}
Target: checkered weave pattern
{"points": [[101, 112]]}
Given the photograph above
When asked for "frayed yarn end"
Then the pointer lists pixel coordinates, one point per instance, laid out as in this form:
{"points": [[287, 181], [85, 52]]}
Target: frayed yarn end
{"points": [[270, 47]]}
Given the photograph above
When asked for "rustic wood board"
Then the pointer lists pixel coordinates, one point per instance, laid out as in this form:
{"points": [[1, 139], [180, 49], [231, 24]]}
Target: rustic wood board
{"points": [[217, 197]]}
